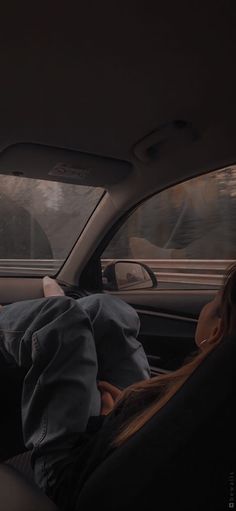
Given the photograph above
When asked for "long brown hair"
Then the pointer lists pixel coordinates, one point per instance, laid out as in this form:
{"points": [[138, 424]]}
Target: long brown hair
{"points": [[148, 396]]}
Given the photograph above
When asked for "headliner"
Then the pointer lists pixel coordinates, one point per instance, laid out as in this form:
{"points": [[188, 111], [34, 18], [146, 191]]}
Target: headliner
{"points": [[101, 78]]}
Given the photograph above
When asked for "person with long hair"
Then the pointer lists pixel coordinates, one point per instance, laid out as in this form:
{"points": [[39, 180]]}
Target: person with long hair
{"points": [[216, 320], [61, 450]]}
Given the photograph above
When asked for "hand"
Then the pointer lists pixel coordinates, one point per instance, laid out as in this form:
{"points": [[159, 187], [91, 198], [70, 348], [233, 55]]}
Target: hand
{"points": [[109, 395]]}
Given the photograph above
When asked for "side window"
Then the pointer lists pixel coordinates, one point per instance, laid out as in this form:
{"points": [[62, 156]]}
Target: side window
{"points": [[185, 234], [40, 221]]}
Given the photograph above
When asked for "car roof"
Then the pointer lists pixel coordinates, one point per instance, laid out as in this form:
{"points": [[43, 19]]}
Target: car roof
{"points": [[101, 79]]}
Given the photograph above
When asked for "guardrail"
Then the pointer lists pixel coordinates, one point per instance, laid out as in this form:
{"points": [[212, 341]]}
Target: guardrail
{"points": [[26, 267], [185, 264], [179, 271]]}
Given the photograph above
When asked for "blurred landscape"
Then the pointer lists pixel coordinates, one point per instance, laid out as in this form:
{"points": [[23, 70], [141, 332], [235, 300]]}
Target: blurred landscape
{"points": [[42, 219], [192, 220]]}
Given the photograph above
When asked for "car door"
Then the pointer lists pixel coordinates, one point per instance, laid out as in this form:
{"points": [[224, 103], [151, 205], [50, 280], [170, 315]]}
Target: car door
{"points": [[167, 325], [185, 235]]}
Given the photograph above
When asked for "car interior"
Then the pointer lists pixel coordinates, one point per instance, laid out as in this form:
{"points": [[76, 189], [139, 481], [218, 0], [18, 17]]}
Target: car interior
{"points": [[110, 105]]}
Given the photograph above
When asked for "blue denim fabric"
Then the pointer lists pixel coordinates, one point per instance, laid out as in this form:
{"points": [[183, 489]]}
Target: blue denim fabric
{"points": [[64, 346], [121, 358]]}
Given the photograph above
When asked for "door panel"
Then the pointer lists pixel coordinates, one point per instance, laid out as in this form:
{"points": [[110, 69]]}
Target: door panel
{"points": [[186, 303], [168, 322], [166, 337]]}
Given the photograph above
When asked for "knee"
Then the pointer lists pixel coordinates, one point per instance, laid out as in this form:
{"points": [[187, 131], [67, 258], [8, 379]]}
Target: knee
{"points": [[103, 307], [102, 304], [114, 308], [55, 307], [59, 302]]}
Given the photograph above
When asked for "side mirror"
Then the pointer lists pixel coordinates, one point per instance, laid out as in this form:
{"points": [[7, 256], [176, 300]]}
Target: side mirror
{"points": [[127, 276]]}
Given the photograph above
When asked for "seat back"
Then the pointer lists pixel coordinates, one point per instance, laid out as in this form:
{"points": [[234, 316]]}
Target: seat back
{"points": [[182, 458]]}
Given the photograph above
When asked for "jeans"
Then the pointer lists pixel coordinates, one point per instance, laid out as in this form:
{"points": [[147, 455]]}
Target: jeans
{"points": [[65, 346]]}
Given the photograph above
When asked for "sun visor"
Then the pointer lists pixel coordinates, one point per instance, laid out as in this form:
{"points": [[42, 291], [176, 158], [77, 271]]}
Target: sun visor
{"points": [[55, 164]]}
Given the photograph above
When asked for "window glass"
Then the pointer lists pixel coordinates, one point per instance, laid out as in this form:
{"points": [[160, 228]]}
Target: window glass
{"points": [[186, 234], [40, 221]]}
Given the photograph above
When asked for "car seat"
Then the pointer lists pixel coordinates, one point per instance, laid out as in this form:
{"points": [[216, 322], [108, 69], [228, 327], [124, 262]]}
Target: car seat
{"points": [[181, 459]]}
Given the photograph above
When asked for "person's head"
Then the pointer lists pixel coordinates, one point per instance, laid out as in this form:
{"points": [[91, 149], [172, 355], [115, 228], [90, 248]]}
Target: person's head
{"points": [[216, 320], [209, 326]]}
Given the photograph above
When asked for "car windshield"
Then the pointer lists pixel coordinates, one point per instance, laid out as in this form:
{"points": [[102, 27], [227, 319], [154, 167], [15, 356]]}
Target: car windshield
{"points": [[40, 222]]}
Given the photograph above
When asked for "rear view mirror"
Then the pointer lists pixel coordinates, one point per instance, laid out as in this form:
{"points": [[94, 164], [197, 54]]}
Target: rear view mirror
{"points": [[128, 275]]}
